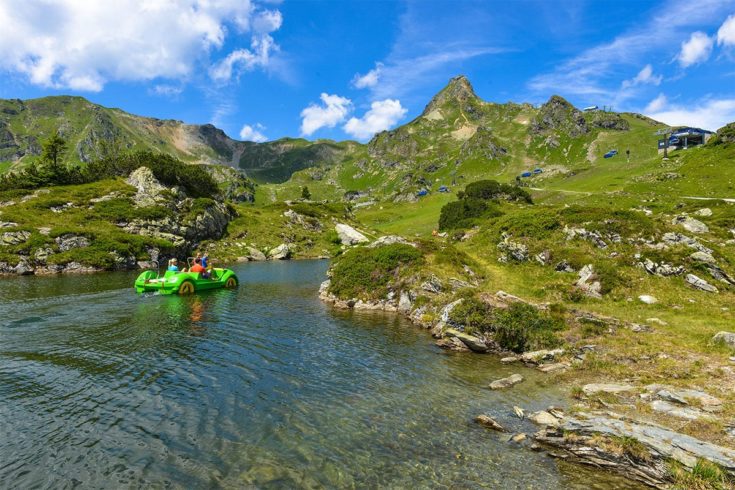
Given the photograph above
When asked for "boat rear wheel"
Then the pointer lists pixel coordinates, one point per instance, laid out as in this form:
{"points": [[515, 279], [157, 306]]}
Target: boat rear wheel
{"points": [[231, 283], [187, 287]]}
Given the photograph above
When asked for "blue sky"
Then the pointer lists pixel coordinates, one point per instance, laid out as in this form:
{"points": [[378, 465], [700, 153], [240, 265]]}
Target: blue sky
{"points": [[345, 70]]}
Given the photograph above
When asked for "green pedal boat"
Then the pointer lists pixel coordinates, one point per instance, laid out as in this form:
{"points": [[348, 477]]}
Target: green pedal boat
{"points": [[151, 281]]}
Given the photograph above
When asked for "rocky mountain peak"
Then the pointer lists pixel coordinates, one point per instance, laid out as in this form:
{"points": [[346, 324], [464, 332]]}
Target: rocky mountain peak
{"points": [[557, 114], [458, 91]]}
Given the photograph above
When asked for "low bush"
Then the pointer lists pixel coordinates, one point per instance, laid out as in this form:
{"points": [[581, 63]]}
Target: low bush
{"points": [[475, 315], [366, 272], [493, 190], [465, 213], [521, 327]]}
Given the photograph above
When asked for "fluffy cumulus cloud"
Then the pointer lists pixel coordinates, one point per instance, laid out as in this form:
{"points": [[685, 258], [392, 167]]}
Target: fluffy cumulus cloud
{"points": [[656, 104], [645, 76], [382, 115], [253, 133], [332, 111], [370, 79], [82, 45], [696, 49], [711, 114], [726, 32]]}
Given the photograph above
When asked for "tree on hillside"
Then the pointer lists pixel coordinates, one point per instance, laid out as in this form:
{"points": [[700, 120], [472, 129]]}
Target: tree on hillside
{"points": [[305, 194], [53, 151]]}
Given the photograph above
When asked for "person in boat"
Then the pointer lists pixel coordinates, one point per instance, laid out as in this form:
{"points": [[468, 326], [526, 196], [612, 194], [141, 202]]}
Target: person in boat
{"points": [[197, 267], [204, 258], [173, 265]]}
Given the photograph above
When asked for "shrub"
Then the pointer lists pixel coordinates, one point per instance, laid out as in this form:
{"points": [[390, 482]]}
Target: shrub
{"points": [[463, 213], [521, 327], [491, 189], [332, 237], [474, 314], [365, 272]]}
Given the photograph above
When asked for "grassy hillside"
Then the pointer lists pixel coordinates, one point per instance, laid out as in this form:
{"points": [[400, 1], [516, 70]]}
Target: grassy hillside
{"points": [[93, 131]]}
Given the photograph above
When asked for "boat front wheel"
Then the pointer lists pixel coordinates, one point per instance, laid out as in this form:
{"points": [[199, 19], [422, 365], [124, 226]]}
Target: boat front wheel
{"points": [[187, 287], [231, 283]]}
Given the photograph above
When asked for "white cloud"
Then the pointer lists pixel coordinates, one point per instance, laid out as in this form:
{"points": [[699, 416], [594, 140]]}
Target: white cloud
{"points": [[253, 133], [656, 104], [695, 50], [370, 79], [244, 59], [167, 90], [726, 32], [645, 76], [382, 115], [334, 110], [711, 114], [267, 21], [82, 45]]}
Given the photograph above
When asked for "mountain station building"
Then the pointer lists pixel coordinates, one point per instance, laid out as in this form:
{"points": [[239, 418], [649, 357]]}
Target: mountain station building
{"points": [[683, 138]]}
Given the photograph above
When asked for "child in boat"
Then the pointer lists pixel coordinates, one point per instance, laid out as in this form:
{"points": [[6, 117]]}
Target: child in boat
{"points": [[173, 265]]}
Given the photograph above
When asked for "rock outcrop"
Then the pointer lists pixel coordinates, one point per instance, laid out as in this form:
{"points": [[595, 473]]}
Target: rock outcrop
{"points": [[349, 236], [595, 439]]}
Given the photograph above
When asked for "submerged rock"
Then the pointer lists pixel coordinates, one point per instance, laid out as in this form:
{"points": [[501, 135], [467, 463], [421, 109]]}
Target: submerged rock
{"points": [[489, 422], [500, 384]]}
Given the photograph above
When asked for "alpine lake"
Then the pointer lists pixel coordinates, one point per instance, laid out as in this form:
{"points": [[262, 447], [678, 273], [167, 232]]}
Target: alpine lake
{"points": [[259, 387]]}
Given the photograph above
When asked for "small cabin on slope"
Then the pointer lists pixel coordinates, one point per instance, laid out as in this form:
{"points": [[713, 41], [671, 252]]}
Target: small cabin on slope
{"points": [[683, 138]]}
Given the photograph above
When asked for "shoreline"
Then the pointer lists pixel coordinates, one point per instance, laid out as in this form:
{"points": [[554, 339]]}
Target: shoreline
{"points": [[598, 429]]}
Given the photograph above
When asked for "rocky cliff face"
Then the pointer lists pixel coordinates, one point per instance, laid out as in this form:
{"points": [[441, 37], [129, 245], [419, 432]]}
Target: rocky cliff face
{"points": [[559, 115]]}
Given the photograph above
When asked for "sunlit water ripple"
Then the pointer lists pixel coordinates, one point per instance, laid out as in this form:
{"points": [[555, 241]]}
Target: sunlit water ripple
{"points": [[262, 386]]}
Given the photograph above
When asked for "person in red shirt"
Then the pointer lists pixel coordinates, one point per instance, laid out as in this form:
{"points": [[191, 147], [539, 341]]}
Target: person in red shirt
{"points": [[197, 267]]}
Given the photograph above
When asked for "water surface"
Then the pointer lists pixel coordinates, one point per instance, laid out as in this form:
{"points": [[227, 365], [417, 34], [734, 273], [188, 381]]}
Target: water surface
{"points": [[263, 386]]}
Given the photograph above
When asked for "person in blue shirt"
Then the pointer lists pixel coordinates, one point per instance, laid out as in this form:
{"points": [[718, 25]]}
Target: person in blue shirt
{"points": [[204, 259], [173, 265]]}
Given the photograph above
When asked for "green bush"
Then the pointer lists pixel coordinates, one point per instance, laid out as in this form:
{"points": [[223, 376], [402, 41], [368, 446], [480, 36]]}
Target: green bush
{"points": [[521, 327], [491, 189], [474, 314], [332, 237], [366, 272], [465, 212]]}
